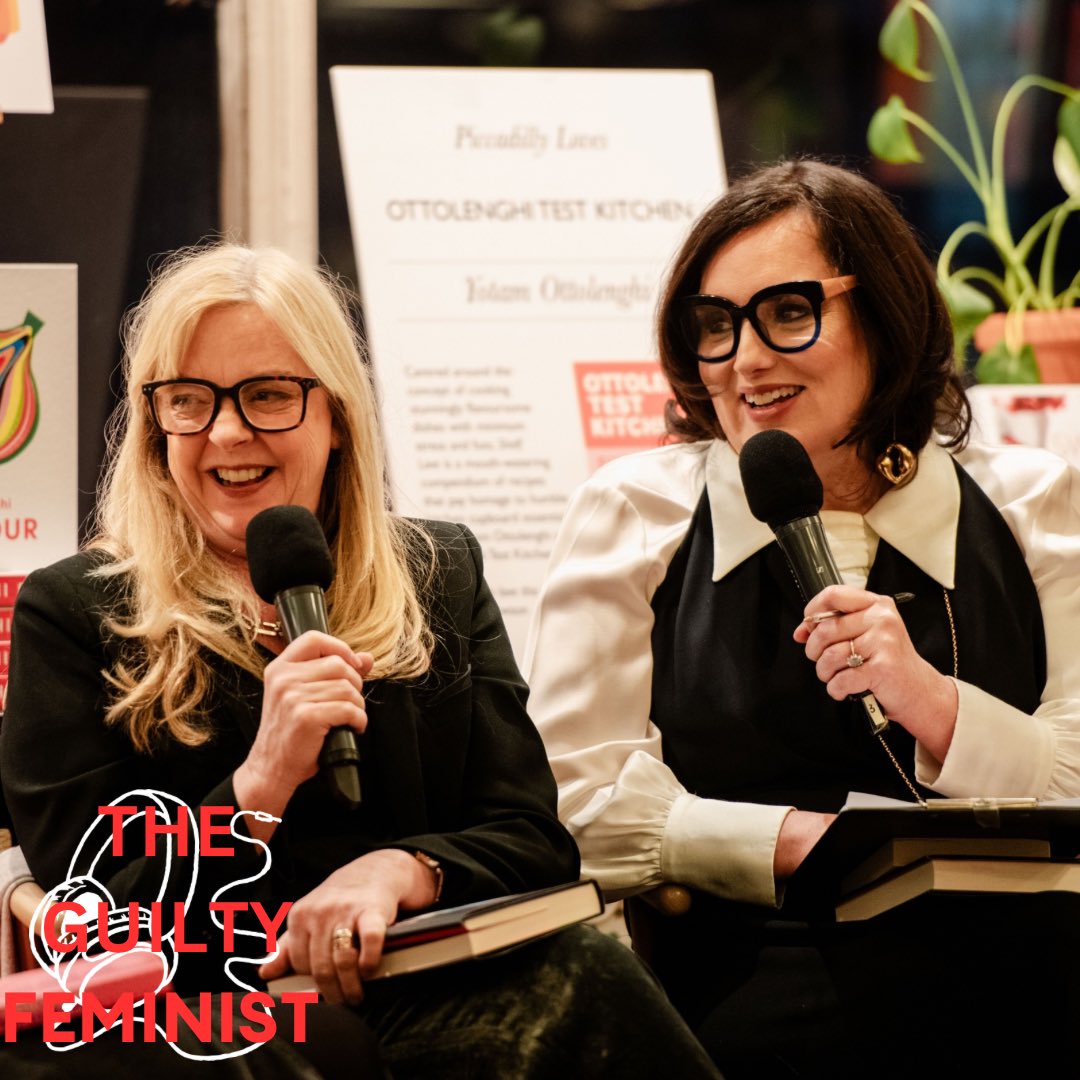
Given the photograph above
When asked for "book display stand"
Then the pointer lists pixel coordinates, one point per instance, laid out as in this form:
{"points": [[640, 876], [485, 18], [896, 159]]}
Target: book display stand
{"points": [[880, 853]]}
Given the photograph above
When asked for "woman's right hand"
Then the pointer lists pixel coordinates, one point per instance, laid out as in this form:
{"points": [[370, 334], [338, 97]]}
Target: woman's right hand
{"points": [[315, 684], [801, 830]]}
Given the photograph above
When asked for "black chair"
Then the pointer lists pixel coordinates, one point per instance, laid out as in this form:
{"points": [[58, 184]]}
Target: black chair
{"points": [[642, 912]]}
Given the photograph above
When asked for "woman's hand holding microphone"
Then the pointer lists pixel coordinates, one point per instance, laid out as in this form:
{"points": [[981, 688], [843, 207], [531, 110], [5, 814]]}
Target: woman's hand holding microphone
{"points": [[315, 684]]}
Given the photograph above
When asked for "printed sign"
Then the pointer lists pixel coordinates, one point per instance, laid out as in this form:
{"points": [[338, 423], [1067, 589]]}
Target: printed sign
{"points": [[38, 428], [25, 82], [1037, 415], [512, 228], [9, 586], [622, 408]]}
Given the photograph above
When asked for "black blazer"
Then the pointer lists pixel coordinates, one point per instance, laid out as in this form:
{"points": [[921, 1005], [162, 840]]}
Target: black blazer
{"points": [[452, 765]]}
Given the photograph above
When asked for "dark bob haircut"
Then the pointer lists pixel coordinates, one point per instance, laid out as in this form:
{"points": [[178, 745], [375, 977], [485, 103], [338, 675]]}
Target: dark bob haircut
{"points": [[914, 388]]}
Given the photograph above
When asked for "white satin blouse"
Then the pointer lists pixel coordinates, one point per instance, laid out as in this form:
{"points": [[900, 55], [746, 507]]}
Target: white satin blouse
{"points": [[588, 657]]}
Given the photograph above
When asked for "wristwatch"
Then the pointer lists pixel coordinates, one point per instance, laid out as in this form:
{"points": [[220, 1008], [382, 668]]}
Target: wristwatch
{"points": [[435, 867]]}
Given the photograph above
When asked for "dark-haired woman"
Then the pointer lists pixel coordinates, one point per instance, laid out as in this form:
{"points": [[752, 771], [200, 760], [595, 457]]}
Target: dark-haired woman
{"points": [[720, 740]]}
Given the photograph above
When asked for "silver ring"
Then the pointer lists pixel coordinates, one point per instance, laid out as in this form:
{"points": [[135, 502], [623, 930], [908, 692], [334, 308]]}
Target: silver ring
{"points": [[854, 660], [342, 938]]}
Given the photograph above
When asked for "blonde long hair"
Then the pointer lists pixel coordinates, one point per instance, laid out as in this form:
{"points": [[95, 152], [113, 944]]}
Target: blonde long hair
{"points": [[181, 601]]}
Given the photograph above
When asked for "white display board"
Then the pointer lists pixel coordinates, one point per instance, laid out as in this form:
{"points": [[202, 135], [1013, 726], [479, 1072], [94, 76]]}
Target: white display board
{"points": [[25, 82], [512, 228], [1037, 415], [38, 428]]}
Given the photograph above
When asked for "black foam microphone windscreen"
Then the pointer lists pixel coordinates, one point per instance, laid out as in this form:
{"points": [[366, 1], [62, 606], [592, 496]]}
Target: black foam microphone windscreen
{"points": [[779, 478], [784, 490], [286, 547]]}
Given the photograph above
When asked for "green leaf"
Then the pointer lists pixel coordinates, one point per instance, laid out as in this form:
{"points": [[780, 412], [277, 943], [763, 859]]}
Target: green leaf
{"points": [[1067, 146], [1000, 365], [509, 39], [968, 306], [1067, 167], [899, 42], [1068, 122], [888, 135]]}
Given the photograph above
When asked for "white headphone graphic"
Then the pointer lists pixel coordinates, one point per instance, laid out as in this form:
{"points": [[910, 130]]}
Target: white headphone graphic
{"points": [[84, 892], [76, 968]]}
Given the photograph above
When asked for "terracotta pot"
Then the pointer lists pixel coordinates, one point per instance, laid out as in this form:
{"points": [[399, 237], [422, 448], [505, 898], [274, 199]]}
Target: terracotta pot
{"points": [[1054, 335]]}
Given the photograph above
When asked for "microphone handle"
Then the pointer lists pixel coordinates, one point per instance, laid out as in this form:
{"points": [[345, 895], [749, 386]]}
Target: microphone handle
{"points": [[806, 547], [300, 609], [303, 608]]}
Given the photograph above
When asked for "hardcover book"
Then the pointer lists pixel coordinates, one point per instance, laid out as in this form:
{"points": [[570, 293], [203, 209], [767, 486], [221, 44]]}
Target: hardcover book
{"points": [[874, 836], [902, 851], [107, 977], [487, 926], [474, 930], [997, 875]]}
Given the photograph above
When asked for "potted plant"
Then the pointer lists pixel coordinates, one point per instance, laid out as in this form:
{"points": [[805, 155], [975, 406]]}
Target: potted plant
{"points": [[1026, 284]]}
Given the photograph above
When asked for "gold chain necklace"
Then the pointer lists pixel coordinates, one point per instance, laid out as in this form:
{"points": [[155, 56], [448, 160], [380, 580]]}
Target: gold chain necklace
{"points": [[956, 674], [262, 628]]}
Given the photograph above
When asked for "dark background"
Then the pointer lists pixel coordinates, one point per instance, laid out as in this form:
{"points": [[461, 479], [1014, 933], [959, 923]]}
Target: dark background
{"points": [[127, 167]]}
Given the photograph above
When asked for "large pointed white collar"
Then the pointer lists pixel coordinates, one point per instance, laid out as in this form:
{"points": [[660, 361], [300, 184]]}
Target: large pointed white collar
{"points": [[919, 520]]}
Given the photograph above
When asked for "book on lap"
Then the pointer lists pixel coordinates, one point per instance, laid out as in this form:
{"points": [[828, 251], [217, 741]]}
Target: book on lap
{"points": [[485, 927], [959, 875], [875, 838], [471, 931], [108, 977], [902, 851]]}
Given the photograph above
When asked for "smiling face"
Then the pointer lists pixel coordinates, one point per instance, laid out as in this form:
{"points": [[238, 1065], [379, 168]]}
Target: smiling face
{"points": [[228, 473], [815, 394]]}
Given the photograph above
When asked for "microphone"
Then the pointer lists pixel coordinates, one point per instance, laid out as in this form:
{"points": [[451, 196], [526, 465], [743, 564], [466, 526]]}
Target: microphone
{"points": [[291, 568], [785, 492]]}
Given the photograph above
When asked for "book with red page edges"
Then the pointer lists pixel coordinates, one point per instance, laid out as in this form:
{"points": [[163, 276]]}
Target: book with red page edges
{"points": [[475, 930], [108, 977]]}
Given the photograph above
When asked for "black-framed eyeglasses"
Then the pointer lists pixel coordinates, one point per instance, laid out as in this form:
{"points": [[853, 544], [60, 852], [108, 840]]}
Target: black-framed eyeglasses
{"points": [[787, 317], [264, 402]]}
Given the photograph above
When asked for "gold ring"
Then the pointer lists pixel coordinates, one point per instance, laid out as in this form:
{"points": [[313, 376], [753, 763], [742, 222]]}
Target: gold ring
{"points": [[854, 660], [342, 938]]}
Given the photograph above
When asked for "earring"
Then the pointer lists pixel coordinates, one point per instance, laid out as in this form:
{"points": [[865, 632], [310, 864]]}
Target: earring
{"points": [[897, 464]]}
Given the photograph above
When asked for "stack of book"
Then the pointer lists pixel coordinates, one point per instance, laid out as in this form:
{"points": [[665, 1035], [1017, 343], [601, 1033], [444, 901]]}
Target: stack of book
{"points": [[880, 853]]}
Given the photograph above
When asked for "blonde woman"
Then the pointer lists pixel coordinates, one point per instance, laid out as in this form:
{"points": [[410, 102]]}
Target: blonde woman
{"points": [[149, 661]]}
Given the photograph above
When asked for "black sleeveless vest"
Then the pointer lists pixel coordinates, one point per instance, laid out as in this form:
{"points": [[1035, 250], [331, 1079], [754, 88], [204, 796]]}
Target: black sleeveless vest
{"points": [[741, 711]]}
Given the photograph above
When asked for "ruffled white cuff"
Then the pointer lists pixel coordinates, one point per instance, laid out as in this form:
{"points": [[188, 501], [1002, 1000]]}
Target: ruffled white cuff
{"points": [[646, 829]]}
